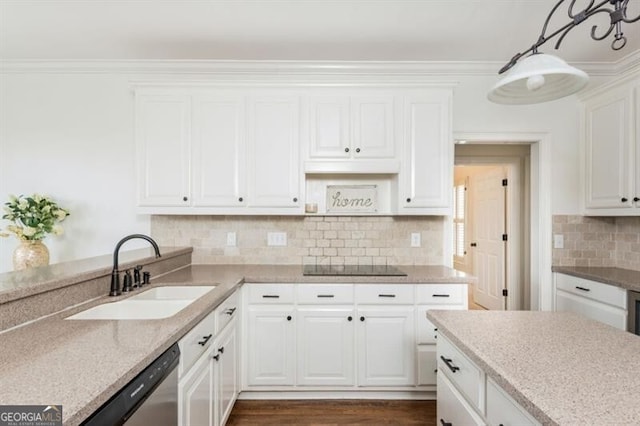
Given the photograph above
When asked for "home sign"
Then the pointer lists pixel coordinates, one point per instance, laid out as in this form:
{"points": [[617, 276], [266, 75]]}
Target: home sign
{"points": [[352, 198]]}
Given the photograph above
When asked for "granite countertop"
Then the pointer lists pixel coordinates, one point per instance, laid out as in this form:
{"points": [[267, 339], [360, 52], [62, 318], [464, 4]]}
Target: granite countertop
{"points": [[561, 367], [80, 364], [624, 278]]}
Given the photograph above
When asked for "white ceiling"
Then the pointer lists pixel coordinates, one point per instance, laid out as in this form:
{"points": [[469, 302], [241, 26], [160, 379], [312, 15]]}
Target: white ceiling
{"points": [[353, 30]]}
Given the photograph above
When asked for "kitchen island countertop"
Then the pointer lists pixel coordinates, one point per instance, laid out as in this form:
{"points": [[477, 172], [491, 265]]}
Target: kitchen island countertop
{"points": [[562, 368]]}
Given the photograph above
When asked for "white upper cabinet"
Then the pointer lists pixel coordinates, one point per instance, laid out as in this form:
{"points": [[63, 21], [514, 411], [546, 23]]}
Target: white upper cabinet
{"points": [[163, 132], [351, 130], [426, 177], [273, 151], [610, 145], [218, 151]]}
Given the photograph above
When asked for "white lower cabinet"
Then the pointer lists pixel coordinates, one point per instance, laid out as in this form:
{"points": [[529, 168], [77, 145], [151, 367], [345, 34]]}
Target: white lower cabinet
{"points": [[453, 409], [386, 345], [196, 394], [598, 301], [317, 337], [270, 351], [208, 387], [325, 346], [466, 396]]}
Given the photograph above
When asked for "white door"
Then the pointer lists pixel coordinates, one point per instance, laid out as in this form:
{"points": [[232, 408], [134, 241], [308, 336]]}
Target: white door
{"points": [[489, 205], [325, 346], [386, 347], [372, 119], [271, 352], [218, 151]]}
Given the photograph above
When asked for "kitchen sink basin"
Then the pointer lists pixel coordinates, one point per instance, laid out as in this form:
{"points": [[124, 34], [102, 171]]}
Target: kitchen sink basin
{"points": [[174, 293], [155, 303], [133, 310]]}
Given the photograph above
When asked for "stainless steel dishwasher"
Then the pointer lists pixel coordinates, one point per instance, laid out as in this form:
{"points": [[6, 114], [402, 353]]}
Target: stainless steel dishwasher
{"points": [[151, 398]]}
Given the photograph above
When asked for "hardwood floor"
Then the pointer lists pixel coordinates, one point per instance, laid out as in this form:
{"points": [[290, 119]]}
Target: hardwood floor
{"points": [[333, 412]]}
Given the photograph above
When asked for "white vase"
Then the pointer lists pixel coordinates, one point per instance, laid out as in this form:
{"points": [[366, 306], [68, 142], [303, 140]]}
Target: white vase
{"points": [[30, 254]]}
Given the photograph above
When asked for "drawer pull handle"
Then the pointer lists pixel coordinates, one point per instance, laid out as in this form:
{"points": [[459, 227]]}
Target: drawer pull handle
{"points": [[216, 357], [582, 288], [326, 296], [445, 423], [205, 339], [440, 295], [270, 296], [230, 311], [221, 349], [386, 295], [449, 363]]}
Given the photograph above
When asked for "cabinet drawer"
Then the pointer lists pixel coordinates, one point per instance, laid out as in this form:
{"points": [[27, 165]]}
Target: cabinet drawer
{"points": [[452, 407], [227, 311], [462, 372], [196, 342], [600, 292], [271, 293], [503, 410], [441, 294], [385, 294], [602, 312], [325, 294]]}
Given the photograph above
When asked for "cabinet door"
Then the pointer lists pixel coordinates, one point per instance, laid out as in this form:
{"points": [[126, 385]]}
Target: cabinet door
{"points": [[163, 126], [372, 120], [271, 346], [196, 394], [386, 347], [427, 365], [427, 173], [329, 127], [601, 312], [325, 342], [452, 408], [226, 373], [218, 151], [273, 151], [609, 151]]}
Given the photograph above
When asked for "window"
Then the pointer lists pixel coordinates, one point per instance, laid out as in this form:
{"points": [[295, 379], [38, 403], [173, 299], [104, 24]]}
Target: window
{"points": [[459, 219]]}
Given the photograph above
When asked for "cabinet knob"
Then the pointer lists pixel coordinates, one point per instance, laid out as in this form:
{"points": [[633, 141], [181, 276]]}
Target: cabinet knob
{"points": [[357, 149], [216, 357], [185, 198], [624, 199], [288, 317], [346, 150], [221, 349], [361, 318], [350, 318], [408, 200], [240, 199], [295, 199]]}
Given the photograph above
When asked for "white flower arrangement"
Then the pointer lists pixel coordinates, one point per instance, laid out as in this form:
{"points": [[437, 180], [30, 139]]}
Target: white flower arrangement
{"points": [[33, 217]]}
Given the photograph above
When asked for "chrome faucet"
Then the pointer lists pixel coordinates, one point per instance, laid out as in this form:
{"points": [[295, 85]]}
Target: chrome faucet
{"points": [[115, 273]]}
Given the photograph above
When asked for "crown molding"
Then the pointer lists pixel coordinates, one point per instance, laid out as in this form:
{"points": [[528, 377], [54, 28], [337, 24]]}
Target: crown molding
{"points": [[284, 69]]}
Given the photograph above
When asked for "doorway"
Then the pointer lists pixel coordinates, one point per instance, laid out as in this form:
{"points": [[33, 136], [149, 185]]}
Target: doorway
{"points": [[492, 242]]}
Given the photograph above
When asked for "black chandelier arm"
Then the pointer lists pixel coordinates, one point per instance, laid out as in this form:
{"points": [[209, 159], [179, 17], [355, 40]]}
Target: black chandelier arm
{"points": [[617, 15]]}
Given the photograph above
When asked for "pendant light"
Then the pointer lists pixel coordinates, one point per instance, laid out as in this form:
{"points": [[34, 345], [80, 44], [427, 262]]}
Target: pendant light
{"points": [[541, 77]]}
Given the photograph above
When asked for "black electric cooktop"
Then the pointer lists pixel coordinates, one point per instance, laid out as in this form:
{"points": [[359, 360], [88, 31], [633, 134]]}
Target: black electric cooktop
{"points": [[353, 270]]}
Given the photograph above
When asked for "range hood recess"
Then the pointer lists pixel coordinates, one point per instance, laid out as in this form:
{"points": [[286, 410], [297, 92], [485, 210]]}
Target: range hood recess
{"points": [[352, 167]]}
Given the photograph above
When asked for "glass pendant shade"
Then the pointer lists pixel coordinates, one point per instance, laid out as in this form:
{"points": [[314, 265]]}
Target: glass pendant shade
{"points": [[538, 78]]}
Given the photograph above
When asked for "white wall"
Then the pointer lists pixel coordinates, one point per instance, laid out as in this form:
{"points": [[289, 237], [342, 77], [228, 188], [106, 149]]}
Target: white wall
{"points": [[71, 136]]}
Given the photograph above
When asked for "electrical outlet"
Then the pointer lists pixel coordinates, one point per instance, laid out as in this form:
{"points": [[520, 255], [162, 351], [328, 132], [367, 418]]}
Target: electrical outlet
{"points": [[558, 241], [277, 239], [231, 239], [415, 239]]}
